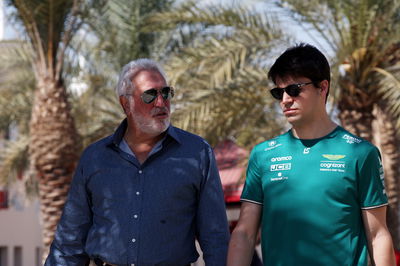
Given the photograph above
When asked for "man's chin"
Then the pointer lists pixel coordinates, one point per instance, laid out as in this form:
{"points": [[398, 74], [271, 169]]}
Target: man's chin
{"points": [[157, 128]]}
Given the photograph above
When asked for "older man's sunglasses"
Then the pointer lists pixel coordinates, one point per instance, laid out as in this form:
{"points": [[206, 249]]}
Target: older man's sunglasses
{"points": [[293, 90], [150, 95]]}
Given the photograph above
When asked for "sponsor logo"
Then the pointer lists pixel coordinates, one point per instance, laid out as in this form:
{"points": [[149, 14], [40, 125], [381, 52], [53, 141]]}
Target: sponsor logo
{"points": [[281, 167], [333, 157], [306, 150], [273, 146], [272, 143], [279, 178], [349, 139], [382, 177], [283, 158], [332, 166]]}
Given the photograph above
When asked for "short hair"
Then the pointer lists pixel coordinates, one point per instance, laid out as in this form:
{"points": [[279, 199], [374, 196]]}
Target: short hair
{"points": [[302, 60], [130, 70]]}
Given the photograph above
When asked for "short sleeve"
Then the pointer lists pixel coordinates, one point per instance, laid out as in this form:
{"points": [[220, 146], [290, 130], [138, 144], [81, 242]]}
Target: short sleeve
{"points": [[252, 191], [371, 181]]}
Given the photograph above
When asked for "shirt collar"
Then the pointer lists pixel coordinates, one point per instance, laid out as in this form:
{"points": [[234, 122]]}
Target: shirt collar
{"points": [[119, 133], [172, 132]]}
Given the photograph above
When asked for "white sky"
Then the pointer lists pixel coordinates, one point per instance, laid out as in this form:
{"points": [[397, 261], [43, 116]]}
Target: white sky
{"points": [[1, 20]]}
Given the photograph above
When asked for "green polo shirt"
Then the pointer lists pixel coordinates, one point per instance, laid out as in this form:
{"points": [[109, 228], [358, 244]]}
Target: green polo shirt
{"points": [[312, 193]]}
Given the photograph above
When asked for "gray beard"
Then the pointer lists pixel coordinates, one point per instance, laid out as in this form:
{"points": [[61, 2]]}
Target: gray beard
{"points": [[151, 126]]}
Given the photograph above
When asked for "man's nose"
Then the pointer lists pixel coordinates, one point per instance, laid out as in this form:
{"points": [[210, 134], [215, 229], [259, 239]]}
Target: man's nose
{"points": [[286, 98], [159, 101]]}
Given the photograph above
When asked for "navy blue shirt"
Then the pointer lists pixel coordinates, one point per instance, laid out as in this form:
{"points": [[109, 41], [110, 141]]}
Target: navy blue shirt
{"points": [[124, 212]]}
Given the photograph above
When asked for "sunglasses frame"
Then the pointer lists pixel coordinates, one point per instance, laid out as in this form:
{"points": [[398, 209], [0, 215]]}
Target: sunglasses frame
{"points": [[293, 90], [166, 97], [169, 95]]}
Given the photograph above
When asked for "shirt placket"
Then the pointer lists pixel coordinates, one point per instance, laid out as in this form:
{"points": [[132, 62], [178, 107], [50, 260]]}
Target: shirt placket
{"points": [[135, 216]]}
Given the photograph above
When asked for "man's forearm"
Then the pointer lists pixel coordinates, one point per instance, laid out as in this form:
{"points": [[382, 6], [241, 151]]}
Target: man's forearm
{"points": [[382, 252], [241, 249]]}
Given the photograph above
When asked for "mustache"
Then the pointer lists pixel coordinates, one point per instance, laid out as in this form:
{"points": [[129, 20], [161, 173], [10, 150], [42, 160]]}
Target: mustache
{"points": [[159, 110]]}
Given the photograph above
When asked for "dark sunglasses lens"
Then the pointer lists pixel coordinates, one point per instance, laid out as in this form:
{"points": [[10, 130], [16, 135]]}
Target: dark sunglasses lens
{"points": [[293, 90], [149, 96], [167, 93], [277, 93]]}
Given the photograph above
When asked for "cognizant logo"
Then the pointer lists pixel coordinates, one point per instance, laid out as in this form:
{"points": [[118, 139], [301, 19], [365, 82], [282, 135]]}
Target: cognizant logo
{"points": [[332, 165]]}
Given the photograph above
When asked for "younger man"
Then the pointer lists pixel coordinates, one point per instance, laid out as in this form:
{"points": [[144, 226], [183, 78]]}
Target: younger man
{"points": [[316, 190]]}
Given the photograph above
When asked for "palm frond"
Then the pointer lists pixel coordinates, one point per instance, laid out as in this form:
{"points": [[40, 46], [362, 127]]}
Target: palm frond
{"points": [[219, 70], [389, 88], [14, 159], [230, 110], [17, 84]]}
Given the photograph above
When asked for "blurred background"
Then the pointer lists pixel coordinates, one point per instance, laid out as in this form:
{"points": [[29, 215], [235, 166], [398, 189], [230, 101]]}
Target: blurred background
{"points": [[59, 64]]}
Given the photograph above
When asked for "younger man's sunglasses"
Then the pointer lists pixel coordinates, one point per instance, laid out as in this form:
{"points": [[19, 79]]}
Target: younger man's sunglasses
{"points": [[293, 90], [150, 95]]}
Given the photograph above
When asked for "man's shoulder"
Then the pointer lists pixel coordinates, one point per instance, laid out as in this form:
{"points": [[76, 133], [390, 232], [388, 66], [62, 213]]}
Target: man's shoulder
{"points": [[97, 146], [187, 137], [347, 139], [273, 143]]}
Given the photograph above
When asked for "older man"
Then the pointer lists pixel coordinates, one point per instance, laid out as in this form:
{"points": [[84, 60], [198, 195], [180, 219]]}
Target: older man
{"points": [[144, 194]]}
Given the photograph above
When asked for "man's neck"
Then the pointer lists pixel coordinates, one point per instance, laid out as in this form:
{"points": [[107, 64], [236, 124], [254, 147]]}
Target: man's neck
{"points": [[141, 143], [316, 129]]}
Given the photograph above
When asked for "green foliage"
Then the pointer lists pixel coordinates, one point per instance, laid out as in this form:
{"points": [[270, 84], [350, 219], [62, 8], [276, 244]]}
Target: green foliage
{"points": [[365, 37], [96, 111], [17, 84], [217, 62], [109, 37], [113, 38]]}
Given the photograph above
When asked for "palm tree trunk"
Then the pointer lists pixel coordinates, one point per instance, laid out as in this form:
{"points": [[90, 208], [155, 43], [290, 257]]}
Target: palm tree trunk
{"points": [[387, 140], [53, 150], [356, 118]]}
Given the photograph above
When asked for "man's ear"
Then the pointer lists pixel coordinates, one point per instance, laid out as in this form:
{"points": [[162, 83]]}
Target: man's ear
{"points": [[324, 86], [125, 104]]}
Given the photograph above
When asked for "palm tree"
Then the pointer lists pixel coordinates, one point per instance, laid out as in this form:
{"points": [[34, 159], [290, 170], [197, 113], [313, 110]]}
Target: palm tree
{"points": [[217, 62], [365, 38], [51, 137], [49, 27]]}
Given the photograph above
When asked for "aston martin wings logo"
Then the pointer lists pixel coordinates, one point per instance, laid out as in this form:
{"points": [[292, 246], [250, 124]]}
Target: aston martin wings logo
{"points": [[333, 157]]}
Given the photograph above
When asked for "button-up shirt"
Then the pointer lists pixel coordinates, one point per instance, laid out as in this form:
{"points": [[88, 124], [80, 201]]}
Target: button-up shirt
{"points": [[124, 212]]}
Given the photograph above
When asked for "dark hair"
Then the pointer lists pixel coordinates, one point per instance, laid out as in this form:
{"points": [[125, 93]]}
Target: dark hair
{"points": [[302, 60]]}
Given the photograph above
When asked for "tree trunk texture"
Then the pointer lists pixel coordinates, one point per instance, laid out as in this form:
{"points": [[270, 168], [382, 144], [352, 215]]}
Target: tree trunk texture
{"points": [[53, 151], [388, 143], [356, 118]]}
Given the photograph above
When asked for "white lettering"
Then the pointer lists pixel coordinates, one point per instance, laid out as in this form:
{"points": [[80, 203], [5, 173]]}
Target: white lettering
{"points": [[349, 139], [330, 165], [281, 167], [284, 158]]}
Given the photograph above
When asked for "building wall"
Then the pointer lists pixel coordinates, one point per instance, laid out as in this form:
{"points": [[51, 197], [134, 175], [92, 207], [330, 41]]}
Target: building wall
{"points": [[20, 236]]}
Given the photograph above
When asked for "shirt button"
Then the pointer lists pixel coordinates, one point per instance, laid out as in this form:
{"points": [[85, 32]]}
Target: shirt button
{"points": [[135, 216], [133, 240], [137, 193], [140, 171]]}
